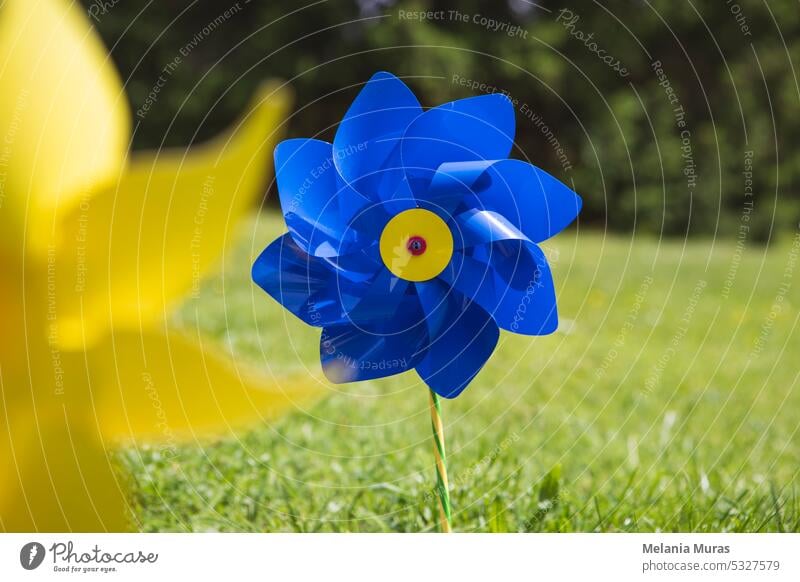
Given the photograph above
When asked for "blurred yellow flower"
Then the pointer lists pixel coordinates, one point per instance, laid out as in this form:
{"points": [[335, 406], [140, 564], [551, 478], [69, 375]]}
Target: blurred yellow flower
{"points": [[95, 245]]}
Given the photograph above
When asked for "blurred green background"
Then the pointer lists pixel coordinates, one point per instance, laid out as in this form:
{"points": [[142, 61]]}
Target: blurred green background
{"points": [[586, 85]]}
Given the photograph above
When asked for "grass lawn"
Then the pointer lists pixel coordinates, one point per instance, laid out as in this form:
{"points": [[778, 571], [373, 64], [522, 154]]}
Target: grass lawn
{"points": [[667, 401]]}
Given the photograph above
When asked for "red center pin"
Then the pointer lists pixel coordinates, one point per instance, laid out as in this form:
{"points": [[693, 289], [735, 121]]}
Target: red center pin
{"points": [[416, 245]]}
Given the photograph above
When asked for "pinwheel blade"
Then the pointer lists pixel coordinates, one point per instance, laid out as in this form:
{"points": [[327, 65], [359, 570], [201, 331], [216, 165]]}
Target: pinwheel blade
{"points": [[305, 285], [537, 203], [63, 115], [462, 339], [453, 186], [512, 281], [167, 387], [312, 200], [371, 130], [352, 353], [386, 298], [474, 129], [55, 475], [150, 239], [532, 200], [479, 227]]}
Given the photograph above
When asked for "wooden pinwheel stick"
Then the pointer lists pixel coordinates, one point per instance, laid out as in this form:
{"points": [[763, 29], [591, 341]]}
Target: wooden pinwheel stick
{"points": [[442, 487]]}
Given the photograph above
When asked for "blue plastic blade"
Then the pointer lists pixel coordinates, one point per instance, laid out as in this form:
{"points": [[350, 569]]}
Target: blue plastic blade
{"points": [[512, 281], [352, 353], [311, 196], [370, 131], [366, 220], [473, 129], [305, 285], [461, 341], [478, 227], [434, 297], [539, 204], [393, 188], [386, 299], [359, 266], [535, 202], [453, 185]]}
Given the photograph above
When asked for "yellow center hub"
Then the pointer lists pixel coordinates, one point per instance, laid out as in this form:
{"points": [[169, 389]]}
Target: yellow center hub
{"points": [[416, 245]]}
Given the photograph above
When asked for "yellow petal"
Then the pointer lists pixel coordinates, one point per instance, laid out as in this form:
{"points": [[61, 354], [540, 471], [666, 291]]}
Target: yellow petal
{"points": [[167, 387], [64, 120], [55, 475], [12, 344], [147, 241]]}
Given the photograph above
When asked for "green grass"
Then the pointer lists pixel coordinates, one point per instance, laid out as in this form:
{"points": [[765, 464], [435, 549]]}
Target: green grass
{"points": [[626, 419]]}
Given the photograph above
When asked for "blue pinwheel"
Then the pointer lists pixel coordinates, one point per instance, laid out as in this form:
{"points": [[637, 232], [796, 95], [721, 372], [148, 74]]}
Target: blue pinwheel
{"points": [[412, 238]]}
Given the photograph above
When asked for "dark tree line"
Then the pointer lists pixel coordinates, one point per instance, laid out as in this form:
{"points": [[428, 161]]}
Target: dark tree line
{"points": [[668, 117]]}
